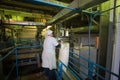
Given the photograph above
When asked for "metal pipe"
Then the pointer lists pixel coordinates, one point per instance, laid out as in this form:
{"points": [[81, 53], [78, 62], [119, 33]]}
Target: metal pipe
{"points": [[49, 4], [90, 73], [94, 28]]}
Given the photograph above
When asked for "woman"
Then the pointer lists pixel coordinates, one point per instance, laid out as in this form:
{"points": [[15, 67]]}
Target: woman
{"points": [[49, 55]]}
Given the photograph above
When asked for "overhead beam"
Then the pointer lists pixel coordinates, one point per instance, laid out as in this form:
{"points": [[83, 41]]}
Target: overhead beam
{"points": [[94, 28], [48, 3], [19, 13], [28, 7], [75, 6], [24, 23]]}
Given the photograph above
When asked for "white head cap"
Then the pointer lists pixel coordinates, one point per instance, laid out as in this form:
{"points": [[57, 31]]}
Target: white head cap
{"points": [[48, 32]]}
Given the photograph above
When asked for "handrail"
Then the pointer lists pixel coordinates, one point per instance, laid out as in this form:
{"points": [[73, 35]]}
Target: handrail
{"points": [[1, 59], [68, 70], [81, 70], [16, 52], [6, 49], [20, 47], [10, 52], [94, 65], [82, 65], [97, 65]]}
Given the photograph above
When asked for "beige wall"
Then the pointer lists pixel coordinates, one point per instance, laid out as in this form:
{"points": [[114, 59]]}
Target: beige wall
{"points": [[28, 32]]}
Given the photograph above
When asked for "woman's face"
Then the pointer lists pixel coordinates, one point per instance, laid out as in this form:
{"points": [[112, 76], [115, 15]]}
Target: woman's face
{"points": [[51, 34]]}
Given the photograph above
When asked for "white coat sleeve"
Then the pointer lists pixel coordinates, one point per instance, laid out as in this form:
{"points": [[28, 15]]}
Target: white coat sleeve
{"points": [[55, 43]]}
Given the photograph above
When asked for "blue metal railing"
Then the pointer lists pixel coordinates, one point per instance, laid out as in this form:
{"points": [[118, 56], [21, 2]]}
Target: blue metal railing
{"points": [[60, 72], [96, 65], [77, 76], [15, 51], [3, 58]]}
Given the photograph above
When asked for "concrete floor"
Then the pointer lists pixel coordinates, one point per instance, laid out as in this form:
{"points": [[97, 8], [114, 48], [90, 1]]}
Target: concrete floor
{"points": [[31, 72], [34, 76]]}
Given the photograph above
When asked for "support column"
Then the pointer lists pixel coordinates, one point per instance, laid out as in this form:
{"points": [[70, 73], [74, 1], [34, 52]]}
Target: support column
{"points": [[116, 52], [104, 25], [110, 38]]}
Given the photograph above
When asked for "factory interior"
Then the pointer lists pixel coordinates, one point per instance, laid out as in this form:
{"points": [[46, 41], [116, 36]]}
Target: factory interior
{"points": [[87, 30]]}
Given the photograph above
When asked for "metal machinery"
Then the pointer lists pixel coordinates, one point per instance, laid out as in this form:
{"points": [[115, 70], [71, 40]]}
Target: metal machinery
{"points": [[21, 23], [88, 59], [82, 27]]}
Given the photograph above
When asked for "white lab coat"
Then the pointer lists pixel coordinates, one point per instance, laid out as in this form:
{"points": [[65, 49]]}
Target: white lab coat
{"points": [[48, 54]]}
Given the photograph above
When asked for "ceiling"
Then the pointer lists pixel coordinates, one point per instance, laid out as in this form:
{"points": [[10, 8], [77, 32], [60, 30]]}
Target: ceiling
{"points": [[48, 9], [35, 6]]}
